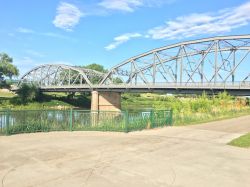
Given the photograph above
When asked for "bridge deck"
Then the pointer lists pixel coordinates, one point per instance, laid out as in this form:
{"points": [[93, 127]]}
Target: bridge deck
{"points": [[182, 88]]}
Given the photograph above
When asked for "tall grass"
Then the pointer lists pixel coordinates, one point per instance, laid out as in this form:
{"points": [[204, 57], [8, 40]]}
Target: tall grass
{"points": [[192, 110]]}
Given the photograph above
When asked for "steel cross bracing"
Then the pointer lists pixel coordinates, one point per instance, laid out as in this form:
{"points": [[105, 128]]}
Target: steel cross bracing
{"points": [[50, 75], [210, 64]]}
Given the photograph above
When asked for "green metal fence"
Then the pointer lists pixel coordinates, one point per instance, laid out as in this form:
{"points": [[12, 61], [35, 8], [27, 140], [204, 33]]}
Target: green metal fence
{"points": [[26, 121]]}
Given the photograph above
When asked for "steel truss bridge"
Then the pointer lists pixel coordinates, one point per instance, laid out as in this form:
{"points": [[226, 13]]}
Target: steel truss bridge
{"points": [[211, 64]]}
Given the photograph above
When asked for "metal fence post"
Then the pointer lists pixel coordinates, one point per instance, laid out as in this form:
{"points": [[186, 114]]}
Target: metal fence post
{"points": [[171, 118], [70, 119], [7, 122], [126, 121], [151, 119]]}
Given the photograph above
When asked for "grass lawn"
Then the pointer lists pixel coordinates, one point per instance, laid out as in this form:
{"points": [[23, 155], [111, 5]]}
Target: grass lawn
{"points": [[6, 94], [243, 141], [52, 104]]}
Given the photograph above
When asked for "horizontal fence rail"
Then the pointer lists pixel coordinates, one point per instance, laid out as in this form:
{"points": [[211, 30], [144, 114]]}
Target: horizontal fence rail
{"points": [[28, 121]]}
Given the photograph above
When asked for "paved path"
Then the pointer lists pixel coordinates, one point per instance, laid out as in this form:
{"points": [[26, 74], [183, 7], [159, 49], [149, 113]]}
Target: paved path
{"points": [[173, 156]]}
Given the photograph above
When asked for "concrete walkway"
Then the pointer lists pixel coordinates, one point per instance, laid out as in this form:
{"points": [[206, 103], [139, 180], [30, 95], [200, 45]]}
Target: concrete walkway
{"points": [[173, 156]]}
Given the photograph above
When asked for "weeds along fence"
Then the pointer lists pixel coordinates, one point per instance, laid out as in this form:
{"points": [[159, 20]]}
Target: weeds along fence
{"points": [[27, 121]]}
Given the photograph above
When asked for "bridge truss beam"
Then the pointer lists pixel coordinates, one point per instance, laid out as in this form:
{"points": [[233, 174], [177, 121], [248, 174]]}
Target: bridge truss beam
{"points": [[61, 75], [210, 64], [211, 60]]}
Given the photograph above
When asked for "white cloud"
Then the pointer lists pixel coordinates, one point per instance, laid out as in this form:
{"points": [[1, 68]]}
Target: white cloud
{"points": [[123, 5], [122, 39], [200, 24], [68, 16], [25, 30], [193, 25], [131, 5]]}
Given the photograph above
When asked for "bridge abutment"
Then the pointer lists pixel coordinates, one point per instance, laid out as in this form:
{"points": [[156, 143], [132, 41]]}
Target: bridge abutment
{"points": [[106, 101]]}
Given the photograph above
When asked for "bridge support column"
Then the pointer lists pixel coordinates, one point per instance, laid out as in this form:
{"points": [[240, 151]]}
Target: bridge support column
{"points": [[106, 101]]}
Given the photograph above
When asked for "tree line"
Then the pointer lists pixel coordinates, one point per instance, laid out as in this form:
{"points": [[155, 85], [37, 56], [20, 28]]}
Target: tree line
{"points": [[7, 68]]}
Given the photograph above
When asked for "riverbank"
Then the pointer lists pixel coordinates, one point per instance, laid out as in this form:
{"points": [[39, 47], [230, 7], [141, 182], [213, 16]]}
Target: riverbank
{"points": [[9, 100], [187, 110]]}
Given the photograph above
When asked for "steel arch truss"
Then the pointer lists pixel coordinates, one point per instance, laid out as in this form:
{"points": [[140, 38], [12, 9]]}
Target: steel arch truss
{"points": [[223, 60], [61, 76]]}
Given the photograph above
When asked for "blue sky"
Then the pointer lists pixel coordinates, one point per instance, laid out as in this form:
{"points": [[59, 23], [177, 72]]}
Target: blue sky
{"points": [[81, 32]]}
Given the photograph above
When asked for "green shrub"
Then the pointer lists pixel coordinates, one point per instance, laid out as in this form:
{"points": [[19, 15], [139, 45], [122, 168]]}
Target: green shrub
{"points": [[28, 93]]}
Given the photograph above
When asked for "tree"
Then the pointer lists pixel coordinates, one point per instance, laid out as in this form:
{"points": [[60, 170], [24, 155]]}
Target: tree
{"points": [[28, 93], [100, 68], [117, 80], [96, 67], [7, 69]]}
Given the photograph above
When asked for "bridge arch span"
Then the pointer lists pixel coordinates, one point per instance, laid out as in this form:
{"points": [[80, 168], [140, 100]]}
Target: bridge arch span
{"points": [[212, 64], [58, 75], [222, 59]]}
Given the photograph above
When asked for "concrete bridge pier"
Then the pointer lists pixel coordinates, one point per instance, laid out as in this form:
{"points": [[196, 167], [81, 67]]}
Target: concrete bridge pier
{"points": [[106, 101]]}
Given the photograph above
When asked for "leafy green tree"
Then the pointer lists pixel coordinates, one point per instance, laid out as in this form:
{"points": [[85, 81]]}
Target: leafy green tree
{"points": [[100, 68], [117, 80], [7, 69], [28, 93], [96, 67]]}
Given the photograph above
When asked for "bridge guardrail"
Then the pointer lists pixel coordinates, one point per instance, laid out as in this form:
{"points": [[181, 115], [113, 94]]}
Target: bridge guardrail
{"points": [[161, 84]]}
